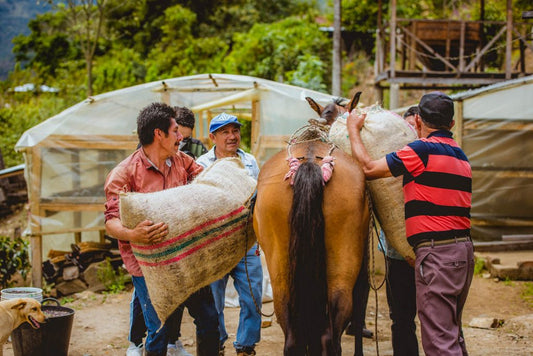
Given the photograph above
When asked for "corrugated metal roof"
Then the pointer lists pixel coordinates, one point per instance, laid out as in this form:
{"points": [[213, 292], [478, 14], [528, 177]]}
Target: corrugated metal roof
{"points": [[493, 87]]}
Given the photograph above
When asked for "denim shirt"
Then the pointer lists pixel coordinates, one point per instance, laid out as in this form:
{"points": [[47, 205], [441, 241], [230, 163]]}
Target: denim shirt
{"points": [[247, 159], [389, 250]]}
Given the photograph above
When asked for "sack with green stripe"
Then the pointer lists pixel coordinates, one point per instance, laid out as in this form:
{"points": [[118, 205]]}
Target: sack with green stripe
{"points": [[210, 230]]}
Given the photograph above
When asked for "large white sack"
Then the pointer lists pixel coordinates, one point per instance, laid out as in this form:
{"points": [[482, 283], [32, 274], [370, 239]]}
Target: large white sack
{"points": [[210, 230], [382, 133]]}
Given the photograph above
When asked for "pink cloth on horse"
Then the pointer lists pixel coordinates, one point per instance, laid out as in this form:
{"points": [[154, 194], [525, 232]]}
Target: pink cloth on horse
{"points": [[294, 164], [326, 167]]}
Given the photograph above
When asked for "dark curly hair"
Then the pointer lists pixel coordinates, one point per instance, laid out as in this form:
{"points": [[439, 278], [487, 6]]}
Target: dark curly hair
{"points": [[413, 110], [184, 116], [153, 116]]}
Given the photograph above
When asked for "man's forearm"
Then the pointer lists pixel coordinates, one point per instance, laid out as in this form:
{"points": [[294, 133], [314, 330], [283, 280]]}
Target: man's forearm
{"points": [[358, 148], [115, 229]]}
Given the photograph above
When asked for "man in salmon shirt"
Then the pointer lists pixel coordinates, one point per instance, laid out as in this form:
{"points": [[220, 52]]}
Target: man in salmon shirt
{"points": [[155, 166], [437, 185]]}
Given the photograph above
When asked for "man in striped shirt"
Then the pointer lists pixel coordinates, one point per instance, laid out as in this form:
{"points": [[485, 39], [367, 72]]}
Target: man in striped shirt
{"points": [[437, 185]]}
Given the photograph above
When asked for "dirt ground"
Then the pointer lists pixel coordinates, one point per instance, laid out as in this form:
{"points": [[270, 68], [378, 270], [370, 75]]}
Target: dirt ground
{"points": [[101, 321], [101, 324]]}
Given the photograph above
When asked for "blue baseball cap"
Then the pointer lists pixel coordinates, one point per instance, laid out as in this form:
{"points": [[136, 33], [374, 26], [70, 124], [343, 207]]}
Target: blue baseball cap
{"points": [[222, 120]]}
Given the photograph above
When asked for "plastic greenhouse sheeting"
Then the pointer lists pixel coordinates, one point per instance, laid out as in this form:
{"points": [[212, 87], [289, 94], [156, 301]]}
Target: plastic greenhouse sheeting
{"points": [[69, 155], [497, 137]]}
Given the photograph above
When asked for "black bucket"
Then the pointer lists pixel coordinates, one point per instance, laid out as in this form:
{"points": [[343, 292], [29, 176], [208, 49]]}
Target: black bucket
{"points": [[51, 339]]}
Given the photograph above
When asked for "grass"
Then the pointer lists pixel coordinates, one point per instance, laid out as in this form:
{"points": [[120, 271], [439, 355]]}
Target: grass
{"points": [[527, 293], [508, 282], [66, 300], [479, 266]]}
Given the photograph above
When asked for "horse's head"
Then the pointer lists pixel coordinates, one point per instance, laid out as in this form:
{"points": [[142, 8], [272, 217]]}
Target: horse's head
{"points": [[331, 111]]}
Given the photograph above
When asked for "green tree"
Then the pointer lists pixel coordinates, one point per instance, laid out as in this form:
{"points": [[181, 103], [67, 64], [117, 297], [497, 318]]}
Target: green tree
{"points": [[309, 73], [46, 47], [272, 51], [179, 53]]}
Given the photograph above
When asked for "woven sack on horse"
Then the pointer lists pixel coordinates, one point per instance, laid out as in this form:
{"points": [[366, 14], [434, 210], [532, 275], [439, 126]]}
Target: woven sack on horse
{"points": [[383, 132], [209, 232]]}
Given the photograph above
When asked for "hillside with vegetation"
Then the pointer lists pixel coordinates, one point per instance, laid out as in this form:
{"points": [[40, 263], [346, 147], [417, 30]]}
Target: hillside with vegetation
{"points": [[88, 47]]}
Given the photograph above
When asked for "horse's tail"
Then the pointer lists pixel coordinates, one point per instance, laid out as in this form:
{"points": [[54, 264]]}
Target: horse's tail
{"points": [[307, 271]]}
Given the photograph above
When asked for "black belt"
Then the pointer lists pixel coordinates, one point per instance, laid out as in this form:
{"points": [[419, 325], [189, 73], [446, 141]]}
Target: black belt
{"points": [[432, 243]]}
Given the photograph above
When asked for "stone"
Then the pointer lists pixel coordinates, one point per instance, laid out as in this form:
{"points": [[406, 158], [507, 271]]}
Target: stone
{"points": [[486, 323], [71, 287], [91, 277]]}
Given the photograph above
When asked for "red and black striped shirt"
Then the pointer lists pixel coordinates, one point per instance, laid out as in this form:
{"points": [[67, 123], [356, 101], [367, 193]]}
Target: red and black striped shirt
{"points": [[437, 185]]}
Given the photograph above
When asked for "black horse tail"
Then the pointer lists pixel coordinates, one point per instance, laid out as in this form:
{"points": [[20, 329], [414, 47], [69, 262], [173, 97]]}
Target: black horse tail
{"points": [[308, 309]]}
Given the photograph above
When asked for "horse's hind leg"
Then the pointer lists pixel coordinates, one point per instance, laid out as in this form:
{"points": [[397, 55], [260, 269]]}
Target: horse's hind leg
{"points": [[292, 346], [340, 308], [360, 299]]}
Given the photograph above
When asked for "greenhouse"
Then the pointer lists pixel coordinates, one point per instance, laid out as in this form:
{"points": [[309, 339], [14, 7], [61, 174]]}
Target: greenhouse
{"points": [[69, 155]]}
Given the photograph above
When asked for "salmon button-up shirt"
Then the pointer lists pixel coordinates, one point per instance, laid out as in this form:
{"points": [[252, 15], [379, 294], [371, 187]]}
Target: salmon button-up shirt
{"points": [[138, 174]]}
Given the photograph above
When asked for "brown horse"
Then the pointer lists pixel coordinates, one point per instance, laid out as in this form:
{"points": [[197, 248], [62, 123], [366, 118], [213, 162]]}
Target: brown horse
{"points": [[331, 111], [313, 235]]}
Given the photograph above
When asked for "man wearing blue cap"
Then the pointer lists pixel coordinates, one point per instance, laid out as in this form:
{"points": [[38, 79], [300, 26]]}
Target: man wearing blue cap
{"points": [[437, 186], [225, 133]]}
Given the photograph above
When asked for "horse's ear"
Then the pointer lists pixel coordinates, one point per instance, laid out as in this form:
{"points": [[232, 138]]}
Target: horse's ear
{"points": [[314, 105], [355, 100]]}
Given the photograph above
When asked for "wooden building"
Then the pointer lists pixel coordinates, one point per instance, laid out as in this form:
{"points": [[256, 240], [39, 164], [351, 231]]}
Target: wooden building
{"points": [[449, 54]]}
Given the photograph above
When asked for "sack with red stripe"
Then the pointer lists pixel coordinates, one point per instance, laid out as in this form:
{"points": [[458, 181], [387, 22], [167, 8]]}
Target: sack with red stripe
{"points": [[210, 230]]}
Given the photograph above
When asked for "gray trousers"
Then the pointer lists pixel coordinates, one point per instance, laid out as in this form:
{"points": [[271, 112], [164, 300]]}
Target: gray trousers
{"points": [[443, 275]]}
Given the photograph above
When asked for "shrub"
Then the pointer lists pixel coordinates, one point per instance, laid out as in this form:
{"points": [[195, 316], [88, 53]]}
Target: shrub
{"points": [[14, 257], [113, 280]]}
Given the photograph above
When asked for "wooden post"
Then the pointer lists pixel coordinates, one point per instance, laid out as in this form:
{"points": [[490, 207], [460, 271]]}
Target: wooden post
{"points": [[459, 122], [36, 243], [380, 61], [392, 59], [509, 40], [412, 50], [394, 96], [462, 48], [448, 43], [337, 48], [199, 128], [522, 52], [76, 185], [165, 94], [379, 94], [256, 127]]}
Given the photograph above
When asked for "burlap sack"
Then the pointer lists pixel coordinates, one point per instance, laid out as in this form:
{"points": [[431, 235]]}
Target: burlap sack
{"points": [[210, 230], [383, 132]]}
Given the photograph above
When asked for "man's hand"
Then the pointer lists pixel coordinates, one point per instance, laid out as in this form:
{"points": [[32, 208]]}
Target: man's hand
{"points": [[145, 232], [149, 233], [355, 121]]}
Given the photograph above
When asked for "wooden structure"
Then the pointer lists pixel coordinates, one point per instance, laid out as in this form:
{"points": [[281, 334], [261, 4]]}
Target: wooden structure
{"points": [[69, 155], [12, 188], [448, 54]]}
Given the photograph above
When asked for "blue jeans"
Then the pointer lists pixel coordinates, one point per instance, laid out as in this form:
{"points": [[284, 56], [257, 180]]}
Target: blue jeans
{"points": [[249, 330], [138, 326], [200, 306], [156, 341]]}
